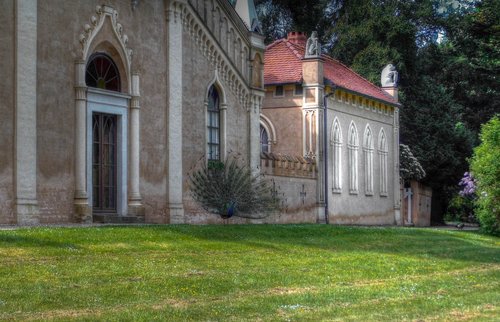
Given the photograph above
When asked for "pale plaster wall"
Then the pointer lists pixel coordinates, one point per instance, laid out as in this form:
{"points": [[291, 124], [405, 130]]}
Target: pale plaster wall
{"points": [[7, 91], [346, 208], [285, 113]]}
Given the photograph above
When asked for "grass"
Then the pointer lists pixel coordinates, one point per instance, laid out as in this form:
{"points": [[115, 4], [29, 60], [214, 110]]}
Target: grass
{"points": [[248, 273]]}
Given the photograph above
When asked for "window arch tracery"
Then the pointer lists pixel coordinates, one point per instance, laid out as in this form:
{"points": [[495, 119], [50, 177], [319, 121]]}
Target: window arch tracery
{"points": [[102, 72]]}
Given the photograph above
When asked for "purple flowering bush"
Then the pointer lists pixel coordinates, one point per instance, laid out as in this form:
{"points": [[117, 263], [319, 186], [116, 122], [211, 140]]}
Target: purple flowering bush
{"points": [[468, 186], [461, 207]]}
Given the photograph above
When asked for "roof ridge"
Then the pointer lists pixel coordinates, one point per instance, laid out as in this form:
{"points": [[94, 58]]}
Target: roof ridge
{"points": [[292, 46], [358, 75], [274, 43]]}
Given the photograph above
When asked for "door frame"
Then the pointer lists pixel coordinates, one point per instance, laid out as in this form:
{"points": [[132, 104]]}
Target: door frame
{"points": [[102, 101]]}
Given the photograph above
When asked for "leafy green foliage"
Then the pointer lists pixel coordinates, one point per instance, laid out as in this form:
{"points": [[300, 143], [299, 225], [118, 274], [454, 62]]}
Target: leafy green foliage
{"points": [[485, 166], [461, 209], [410, 168], [230, 189]]}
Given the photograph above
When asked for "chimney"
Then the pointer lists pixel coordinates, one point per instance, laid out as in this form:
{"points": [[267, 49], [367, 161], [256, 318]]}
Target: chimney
{"points": [[297, 38]]}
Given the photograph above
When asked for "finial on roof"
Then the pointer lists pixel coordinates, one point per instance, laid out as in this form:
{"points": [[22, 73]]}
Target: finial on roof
{"points": [[313, 47], [389, 77]]}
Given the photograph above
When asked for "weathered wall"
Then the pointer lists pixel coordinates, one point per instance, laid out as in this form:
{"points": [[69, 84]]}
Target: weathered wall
{"points": [[198, 75], [285, 113], [57, 52], [421, 199], [297, 200], [7, 90], [360, 208]]}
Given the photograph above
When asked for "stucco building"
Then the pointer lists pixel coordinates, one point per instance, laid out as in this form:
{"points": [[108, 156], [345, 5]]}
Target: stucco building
{"points": [[343, 164], [106, 105]]}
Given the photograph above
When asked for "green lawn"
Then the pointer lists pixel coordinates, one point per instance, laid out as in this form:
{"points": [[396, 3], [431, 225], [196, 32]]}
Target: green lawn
{"points": [[252, 273]]}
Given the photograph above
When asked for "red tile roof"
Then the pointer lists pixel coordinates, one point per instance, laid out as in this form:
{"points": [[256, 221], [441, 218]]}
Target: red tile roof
{"points": [[283, 65]]}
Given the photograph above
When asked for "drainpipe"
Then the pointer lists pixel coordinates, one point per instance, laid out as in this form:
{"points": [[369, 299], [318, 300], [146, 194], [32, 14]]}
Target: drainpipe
{"points": [[325, 149]]}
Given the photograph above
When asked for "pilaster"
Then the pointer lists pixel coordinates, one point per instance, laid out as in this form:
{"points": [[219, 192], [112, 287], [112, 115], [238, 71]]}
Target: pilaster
{"points": [[26, 207], [135, 206], [82, 209], [174, 110], [397, 191], [313, 128], [254, 129]]}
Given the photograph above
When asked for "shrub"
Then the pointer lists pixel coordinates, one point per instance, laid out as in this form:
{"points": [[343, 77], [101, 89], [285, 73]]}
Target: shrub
{"points": [[410, 167], [230, 189], [485, 165]]}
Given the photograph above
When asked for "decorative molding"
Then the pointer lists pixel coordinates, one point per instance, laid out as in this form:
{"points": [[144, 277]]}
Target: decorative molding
{"points": [[81, 93], [230, 64], [96, 23], [269, 126]]}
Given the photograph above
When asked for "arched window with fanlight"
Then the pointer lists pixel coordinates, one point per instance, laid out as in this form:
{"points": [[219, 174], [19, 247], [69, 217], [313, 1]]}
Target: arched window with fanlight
{"points": [[213, 124], [102, 73]]}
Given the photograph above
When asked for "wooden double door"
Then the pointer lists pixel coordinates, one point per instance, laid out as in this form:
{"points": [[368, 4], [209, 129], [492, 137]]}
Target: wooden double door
{"points": [[104, 163]]}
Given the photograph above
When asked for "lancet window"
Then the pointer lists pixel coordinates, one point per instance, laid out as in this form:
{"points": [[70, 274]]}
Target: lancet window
{"points": [[213, 124], [353, 147], [382, 152], [337, 157], [368, 160]]}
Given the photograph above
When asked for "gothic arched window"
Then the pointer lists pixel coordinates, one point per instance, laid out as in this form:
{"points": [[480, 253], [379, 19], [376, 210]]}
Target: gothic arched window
{"points": [[368, 156], [213, 124], [102, 73], [353, 147], [337, 157], [382, 152], [264, 140]]}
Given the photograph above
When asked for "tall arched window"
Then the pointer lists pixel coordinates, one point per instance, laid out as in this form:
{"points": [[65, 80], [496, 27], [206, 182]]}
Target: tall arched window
{"points": [[102, 73], [337, 157], [368, 160], [213, 124], [382, 152], [264, 140], [353, 147]]}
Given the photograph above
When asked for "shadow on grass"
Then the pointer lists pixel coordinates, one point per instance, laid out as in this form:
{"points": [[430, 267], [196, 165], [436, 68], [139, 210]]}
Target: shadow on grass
{"points": [[462, 246], [29, 241], [453, 245]]}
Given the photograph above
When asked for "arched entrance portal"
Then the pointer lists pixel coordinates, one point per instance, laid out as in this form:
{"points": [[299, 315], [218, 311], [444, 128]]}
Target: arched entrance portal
{"points": [[106, 125], [106, 138]]}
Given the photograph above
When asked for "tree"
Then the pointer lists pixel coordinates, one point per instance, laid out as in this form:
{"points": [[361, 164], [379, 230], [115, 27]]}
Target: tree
{"points": [[278, 17], [486, 168]]}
